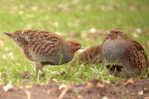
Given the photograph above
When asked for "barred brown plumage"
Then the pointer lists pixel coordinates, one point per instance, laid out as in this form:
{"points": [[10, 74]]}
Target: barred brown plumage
{"points": [[45, 48], [91, 55], [123, 56]]}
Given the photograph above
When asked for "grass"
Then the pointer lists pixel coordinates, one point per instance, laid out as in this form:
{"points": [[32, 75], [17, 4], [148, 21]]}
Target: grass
{"points": [[74, 19]]}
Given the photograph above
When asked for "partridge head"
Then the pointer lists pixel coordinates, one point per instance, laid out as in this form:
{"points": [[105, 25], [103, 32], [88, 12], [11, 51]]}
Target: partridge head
{"points": [[123, 56], [45, 48]]}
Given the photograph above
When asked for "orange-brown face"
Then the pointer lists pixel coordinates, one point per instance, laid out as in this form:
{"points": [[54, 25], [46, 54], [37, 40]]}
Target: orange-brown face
{"points": [[74, 46], [114, 34]]}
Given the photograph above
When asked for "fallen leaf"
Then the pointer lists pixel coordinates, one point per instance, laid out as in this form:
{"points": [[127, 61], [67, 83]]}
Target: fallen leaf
{"points": [[8, 87]]}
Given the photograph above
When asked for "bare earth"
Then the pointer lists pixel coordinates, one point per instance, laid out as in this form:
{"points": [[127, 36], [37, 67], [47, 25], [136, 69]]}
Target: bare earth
{"points": [[95, 89]]}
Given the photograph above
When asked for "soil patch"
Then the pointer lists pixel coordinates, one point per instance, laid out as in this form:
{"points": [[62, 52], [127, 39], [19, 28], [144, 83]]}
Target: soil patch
{"points": [[95, 89]]}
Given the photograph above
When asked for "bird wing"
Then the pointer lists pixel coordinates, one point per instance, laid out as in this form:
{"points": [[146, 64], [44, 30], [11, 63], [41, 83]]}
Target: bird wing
{"points": [[41, 46], [44, 51], [36, 35], [136, 55], [45, 47]]}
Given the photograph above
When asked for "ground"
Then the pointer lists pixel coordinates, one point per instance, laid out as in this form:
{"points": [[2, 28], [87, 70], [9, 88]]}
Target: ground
{"points": [[95, 89]]}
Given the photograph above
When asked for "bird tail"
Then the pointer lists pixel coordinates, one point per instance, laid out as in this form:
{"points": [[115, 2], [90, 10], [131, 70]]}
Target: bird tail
{"points": [[9, 34]]}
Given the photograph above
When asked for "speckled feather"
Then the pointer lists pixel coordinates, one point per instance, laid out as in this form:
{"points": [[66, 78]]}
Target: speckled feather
{"points": [[137, 56], [91, 55], [39, 42]]}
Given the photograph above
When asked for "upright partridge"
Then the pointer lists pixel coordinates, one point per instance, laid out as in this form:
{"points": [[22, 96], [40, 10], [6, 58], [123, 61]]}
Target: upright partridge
{"points": [[44, 48], [123, 56], [91, 55]]}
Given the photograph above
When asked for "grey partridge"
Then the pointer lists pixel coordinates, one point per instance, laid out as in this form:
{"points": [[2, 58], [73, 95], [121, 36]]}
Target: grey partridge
{"points": [[44, 48], [123, 56], [91, 55]]}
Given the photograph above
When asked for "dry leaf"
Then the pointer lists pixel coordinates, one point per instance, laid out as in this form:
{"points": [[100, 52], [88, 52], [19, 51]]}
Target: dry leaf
{"points": [[8, 87]]}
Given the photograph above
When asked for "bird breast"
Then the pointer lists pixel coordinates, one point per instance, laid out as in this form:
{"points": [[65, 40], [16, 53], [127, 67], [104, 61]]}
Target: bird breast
{"points": [[113, 51]]}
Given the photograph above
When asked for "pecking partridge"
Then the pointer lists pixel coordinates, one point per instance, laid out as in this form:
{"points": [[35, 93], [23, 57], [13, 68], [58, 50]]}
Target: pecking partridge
{"points": [[91, 55], [44, 48], [123, 56]]}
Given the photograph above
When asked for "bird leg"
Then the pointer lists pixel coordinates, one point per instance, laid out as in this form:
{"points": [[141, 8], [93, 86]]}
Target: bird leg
{"points": [[39, 69]]}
